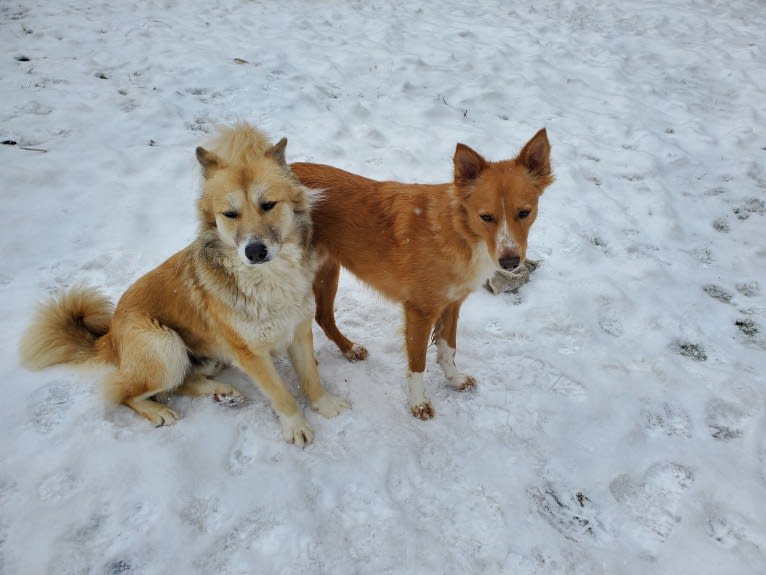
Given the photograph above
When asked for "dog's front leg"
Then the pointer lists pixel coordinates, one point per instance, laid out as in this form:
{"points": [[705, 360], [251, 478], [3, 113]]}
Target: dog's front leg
{"points": [[445, 337], [260, 368], [301, 352], [417, 328]]}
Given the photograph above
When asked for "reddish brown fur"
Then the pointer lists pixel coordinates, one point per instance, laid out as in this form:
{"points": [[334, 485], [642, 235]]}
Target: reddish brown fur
{"points": [[425, 246]]}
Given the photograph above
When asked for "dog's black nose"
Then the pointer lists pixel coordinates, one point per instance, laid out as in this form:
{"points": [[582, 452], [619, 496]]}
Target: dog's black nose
{"points": [[256, 252], [509, 261]]}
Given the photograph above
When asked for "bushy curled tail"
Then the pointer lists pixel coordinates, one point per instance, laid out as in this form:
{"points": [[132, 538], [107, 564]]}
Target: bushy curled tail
{"points": [[67, 330]]}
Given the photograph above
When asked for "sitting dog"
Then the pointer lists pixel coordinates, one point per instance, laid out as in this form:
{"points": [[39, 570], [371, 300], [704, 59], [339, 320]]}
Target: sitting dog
{"points": [[239, 292]]}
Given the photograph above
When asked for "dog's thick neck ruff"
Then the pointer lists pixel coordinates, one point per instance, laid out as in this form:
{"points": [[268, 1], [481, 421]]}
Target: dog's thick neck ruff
{"points": [[250, 287]]}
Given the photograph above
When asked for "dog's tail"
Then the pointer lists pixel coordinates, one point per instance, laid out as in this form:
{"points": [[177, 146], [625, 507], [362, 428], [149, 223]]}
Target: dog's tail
{"points": [[73, 328]]}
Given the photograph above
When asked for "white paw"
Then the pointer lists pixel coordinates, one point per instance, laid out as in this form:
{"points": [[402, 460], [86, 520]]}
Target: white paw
{"points": [[462, 383], [356, 353], [296, 429], [423, 410], [228, 396], [419, 405], [330, 405]]}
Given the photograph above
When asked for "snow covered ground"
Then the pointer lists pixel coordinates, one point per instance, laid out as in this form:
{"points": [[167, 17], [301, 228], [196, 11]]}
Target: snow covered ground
{"points": [[619, 424]]}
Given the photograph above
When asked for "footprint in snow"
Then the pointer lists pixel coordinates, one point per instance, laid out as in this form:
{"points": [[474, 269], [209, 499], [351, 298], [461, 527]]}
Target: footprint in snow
{"points": [[571, 513], [249, 536], [689, 349], [197, 512], [608, 319], [244, 451], [48, 405], [7, 487], [749, 289], [666, 419], [729, 530], [727, 420], [654, 500], [119, 567], [717, 293], [749, 207], [721, 225], [58, 485], [567, 387]]}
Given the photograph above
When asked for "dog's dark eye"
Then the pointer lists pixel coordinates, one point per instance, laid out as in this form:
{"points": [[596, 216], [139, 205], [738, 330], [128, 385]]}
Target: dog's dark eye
{"points": [[266, 206], [489, 218], [231, 214], [523, 214]]}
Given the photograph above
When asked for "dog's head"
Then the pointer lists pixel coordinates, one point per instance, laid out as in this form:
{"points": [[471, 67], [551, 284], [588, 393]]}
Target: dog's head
{"points": [[254, 207], [500, 198]]}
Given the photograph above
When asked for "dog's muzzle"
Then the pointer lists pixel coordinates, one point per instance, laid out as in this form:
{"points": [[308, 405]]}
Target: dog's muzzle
{"points": [[510, 260]]}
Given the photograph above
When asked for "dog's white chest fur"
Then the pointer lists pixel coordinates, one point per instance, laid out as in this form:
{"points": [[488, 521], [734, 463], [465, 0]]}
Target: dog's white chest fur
{"points": [[480, 268], [277, 297]]}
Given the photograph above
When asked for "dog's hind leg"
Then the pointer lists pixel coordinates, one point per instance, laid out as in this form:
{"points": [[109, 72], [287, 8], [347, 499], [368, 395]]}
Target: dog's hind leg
{"points": [[445, 338], [325, 288], [301, 352], [417, 328], [153, 360]]}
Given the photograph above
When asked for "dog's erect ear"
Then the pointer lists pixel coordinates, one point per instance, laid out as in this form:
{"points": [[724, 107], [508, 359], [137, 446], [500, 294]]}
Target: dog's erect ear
{"points": [[209, 161], [277, 152], [468, 164], [535, 156]]}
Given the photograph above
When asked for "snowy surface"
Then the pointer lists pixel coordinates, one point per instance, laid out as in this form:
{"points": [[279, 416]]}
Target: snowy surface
{"points": [[619, 424]]}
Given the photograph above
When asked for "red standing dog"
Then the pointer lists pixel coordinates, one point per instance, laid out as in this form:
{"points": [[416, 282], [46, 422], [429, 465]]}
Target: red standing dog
{"points": [[425, 246]]}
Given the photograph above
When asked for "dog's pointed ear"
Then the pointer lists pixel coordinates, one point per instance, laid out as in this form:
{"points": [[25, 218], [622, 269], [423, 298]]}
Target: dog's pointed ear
{"points": [[468, 164], [277, 152], [209, 161], [535, 156]]}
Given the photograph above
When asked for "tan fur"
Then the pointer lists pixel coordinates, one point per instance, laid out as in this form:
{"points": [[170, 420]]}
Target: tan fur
{"points": [[425, 246], [211, 303]]}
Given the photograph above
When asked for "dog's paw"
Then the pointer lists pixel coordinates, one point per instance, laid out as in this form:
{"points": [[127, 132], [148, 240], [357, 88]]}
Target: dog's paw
{"points": [[423, 410], [463, 383], [356, 353], [330, 405], [227, 395], [162, 416], [295, 429]]}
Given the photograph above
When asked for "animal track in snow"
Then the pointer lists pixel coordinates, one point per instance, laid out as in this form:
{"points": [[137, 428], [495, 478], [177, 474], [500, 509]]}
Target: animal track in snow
{"points": [[58, 485], [717, 292], [251, 533], [749, 289], [48, 405], [666, 419], [607, 318], [721, 225], [197, 512], [691, 350], [749, 207], [568, 387], [573, 515], [725, 419], [655, 499], [7, 487], [244, 451]]}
